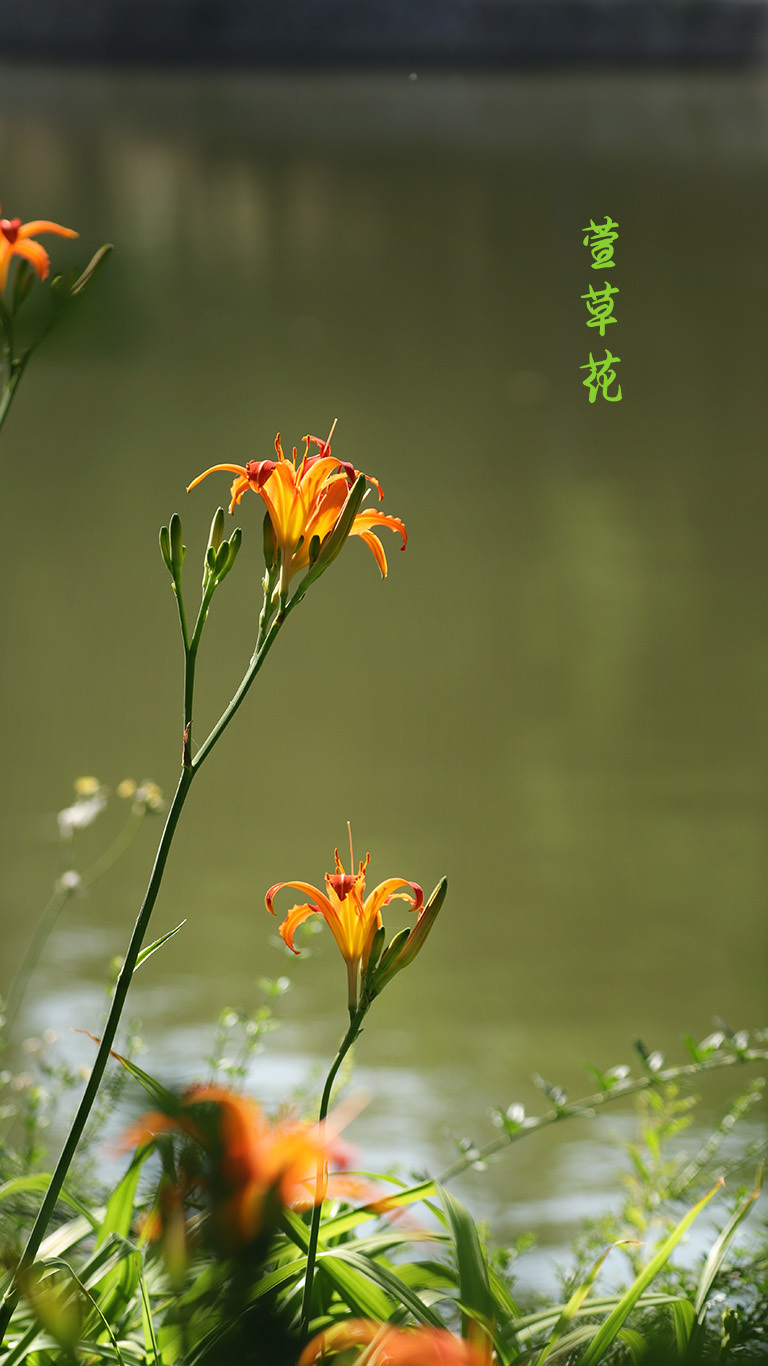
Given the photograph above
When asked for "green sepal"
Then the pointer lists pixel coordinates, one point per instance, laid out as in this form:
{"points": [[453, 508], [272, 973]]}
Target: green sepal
{"points": [[314, 550]]}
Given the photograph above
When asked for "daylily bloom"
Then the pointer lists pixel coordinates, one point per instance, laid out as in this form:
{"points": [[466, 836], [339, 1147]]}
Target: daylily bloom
{"points": [[389, 1346], [16, 240], [251, 1169], [304, 501], [353, 921]]}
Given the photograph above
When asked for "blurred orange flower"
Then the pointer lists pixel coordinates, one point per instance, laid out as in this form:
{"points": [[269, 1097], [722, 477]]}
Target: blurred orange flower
{"points": [[353, 921], [395, 1346], [16, 240], [304, 502], [253, 1169]]}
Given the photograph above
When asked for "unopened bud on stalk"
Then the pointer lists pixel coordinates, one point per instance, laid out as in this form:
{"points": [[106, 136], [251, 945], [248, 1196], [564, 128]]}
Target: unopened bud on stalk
{"points": [[221, 559], [334, 542], [408, 943], [216, 534], [393, 948], [232, 548], [178, 550], [320, 560], [165, 548], [270, 543], [377, 944]]}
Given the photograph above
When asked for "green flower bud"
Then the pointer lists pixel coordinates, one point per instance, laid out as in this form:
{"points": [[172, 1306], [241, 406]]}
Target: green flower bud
{"points": [[221, 559], [178, 551], [233, 546], [374, 955], [94, 265], [334, 542], [408, 943], [270, 543], [216, 534], [390, 954], [165, 548]]}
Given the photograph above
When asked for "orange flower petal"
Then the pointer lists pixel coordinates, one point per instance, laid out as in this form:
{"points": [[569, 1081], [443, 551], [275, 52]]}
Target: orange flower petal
{"points": [[39, 225], [295, 917], [370, 518], [233, 469], [36, 255]]}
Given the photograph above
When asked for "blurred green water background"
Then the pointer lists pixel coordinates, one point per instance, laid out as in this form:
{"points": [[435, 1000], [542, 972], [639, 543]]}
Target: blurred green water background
{"points": [[558, 697]]}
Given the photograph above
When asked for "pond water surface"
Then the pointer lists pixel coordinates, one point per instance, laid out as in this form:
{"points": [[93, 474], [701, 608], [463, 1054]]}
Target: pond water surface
{"points": [[557, 698]]}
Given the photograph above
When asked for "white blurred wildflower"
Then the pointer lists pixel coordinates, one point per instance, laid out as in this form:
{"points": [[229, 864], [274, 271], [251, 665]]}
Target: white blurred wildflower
{"points": [[91, 800], [69, 881]]}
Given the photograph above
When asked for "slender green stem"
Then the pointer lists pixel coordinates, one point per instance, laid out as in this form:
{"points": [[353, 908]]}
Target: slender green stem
{"points": [[264, 644], [355, 1024], [5, 402], [102, 1056], [265, 640], [191, 648], [179, 596], [589, 1104], [15, 371]]}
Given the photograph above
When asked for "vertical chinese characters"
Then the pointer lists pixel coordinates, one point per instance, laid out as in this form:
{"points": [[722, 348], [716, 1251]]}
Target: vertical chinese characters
{"points": [[600, 238]]}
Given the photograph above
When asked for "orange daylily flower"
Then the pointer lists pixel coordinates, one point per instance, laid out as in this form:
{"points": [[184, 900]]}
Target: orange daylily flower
{"points": [[353, 921], [252, 1169], [389, 1346], [304, 501], [16, 240]]}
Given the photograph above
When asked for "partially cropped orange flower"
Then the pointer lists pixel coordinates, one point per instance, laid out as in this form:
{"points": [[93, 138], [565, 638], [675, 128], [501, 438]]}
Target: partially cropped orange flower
{"points": [[251, 1169], [304, 500], [388, 1346], [352, 917], [16, 240]]}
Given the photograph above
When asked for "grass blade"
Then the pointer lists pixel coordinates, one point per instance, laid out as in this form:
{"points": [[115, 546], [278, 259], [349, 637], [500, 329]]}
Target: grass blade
{"points": [[474, 1286], [572, 1307], [152, 948], [608, 1331], [719, 1249], [684, 1318]]}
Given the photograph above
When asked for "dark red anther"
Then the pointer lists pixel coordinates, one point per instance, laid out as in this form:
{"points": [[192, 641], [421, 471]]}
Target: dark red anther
{"points": [[9, 227], [323, 447], [258, 471], [349, 471], [342, 884]]}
